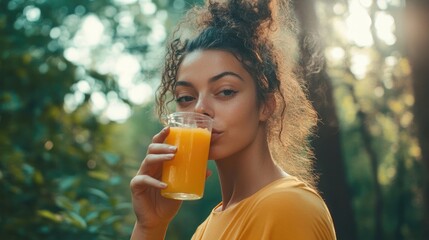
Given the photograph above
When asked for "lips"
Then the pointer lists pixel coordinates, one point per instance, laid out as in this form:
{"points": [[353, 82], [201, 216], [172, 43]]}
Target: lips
{"points": [[215, 135]]}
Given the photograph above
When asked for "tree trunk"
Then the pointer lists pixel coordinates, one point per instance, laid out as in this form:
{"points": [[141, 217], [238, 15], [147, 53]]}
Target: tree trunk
{"points": [[374, 162], [417, 44], [327, 145]]}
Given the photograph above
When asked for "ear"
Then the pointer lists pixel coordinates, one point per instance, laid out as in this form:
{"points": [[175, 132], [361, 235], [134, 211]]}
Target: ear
{"points": [[267, 108]]}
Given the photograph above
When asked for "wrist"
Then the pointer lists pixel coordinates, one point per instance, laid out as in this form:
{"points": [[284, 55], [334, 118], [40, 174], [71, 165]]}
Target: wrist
{"points": [[143, 232]]}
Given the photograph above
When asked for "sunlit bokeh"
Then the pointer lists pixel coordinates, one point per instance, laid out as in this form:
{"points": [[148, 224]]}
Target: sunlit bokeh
{"points": [[89, 44], [79, 107], [93, 48], [32, 13], [359, 24], [385, 25], [359, 63]]}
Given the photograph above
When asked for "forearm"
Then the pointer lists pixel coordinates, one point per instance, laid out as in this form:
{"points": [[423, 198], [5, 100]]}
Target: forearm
{"points": [[141, 233]]}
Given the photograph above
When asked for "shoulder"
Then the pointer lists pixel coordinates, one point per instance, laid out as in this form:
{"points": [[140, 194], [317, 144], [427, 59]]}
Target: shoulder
{"points": [[291, 197], [294, 209]]}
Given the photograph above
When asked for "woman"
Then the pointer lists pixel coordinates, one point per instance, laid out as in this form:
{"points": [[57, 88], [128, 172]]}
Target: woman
{"points": [[238, 68]]}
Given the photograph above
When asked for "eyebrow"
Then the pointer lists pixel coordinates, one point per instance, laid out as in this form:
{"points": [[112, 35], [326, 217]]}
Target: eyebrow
{"points": [[212, 79], [221, 75]]}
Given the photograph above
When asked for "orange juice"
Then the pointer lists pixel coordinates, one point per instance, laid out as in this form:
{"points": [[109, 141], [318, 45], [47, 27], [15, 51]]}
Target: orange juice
{"points": [[185, 174]]}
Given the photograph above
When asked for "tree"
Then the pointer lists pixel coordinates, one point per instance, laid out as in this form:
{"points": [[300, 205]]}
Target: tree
{"points": [[65, 165], [371, 85], [61, 172], [417, 46], [58, 173], [328, 153]]}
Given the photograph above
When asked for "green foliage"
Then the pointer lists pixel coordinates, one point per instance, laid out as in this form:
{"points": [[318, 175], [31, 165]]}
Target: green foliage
{"points": [[65, 167], [60, 175], [373, 95]]}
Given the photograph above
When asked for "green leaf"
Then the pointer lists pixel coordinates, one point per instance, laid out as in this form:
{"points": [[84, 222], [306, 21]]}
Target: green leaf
{"points": [[50, 215], [63, 202], [38, 178], [76, 220], [111, 158], [99, 193], [100, 175], [91, 216], [113, 219], [115, 180], [67, 182], [10, 101]]}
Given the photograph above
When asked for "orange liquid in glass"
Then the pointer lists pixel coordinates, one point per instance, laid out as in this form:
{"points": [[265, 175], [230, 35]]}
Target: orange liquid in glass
{"points": [[185, 174]]}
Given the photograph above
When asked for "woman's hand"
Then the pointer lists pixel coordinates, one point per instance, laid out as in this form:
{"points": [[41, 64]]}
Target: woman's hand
{"points": [[153, 211]]}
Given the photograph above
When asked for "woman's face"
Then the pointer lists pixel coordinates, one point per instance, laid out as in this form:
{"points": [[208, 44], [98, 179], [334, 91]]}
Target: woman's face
{"points": [[215, 83]]}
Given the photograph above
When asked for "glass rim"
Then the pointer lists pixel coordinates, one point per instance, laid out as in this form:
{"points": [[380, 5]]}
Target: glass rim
{"points": [[200, 117]]}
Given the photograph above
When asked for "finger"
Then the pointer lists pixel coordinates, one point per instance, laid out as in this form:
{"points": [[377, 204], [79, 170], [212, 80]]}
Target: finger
{"points": [[157, 158], [159, 148], [153, 163], [160, 137], [208, 173], [142, 182]]}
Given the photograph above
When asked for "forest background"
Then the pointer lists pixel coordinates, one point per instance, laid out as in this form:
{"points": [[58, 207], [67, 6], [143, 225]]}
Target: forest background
{"points": [[77, 81]]}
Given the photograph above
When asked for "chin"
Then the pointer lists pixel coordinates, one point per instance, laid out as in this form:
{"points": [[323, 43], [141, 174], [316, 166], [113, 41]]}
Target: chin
{"points": [[215, 154], [213, 157]]}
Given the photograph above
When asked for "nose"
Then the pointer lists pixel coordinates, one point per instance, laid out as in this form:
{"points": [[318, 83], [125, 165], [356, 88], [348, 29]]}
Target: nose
{"points": [[203, 106]]}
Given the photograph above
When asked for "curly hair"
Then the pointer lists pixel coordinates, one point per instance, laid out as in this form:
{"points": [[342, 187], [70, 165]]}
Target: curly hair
{"points": [[262, 35]]}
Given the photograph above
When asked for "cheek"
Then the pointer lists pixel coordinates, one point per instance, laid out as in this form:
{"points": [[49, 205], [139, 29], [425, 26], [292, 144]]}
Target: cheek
{"points": [[241, 129], [241, 118]]}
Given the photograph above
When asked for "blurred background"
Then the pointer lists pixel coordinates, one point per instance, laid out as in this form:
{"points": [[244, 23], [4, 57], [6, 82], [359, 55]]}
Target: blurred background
{"points": [[77, 82]]}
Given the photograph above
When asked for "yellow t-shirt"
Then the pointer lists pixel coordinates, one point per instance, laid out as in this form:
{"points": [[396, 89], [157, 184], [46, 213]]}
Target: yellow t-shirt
{"points": [[284, 209]]}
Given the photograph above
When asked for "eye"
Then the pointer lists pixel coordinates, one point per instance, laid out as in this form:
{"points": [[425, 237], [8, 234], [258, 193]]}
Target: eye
{"points": [[227, 93], [183, 99]]}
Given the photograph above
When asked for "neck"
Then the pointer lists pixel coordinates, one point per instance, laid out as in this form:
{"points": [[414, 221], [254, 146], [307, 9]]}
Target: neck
{"points": [[246, 172]]}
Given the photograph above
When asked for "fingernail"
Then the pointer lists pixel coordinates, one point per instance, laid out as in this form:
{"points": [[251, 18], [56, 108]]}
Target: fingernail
{"points": [[170, 156], [163, 185], [172, 148]]}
